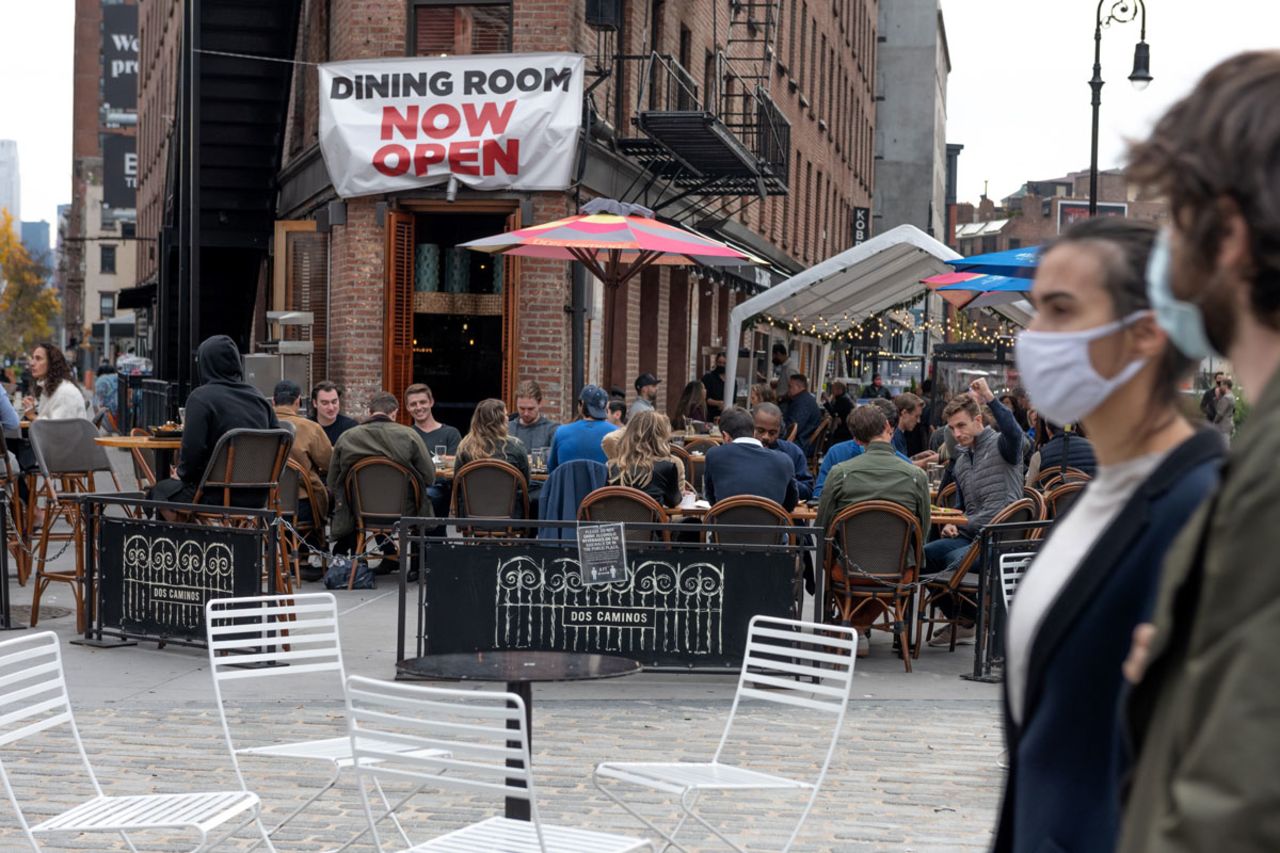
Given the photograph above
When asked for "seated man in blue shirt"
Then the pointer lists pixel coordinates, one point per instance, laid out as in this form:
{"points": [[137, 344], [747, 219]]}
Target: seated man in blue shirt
{"points": [[768, 426], [582, 439]]}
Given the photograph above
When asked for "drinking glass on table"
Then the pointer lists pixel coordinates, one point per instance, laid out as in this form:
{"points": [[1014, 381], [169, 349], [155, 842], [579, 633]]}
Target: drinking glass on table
{"points": [[540, 458], [182, 415], [440, 451]]}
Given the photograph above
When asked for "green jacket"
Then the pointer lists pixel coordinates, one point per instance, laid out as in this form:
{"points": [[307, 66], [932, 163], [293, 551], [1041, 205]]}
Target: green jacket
{"points": [[1206, 717], [378, 437], [878, 474]]}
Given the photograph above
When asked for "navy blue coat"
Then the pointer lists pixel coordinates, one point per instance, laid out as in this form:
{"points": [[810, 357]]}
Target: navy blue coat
{"points": [[1066, 764], [564, 491], [745, 469]]}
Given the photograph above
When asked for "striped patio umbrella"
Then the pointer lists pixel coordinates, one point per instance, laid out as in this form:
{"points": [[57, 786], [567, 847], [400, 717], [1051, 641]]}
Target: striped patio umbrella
{"points": [[615, 241]]}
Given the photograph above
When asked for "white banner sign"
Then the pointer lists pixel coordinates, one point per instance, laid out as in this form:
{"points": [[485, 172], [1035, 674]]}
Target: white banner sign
{"points": [[496, 121]]}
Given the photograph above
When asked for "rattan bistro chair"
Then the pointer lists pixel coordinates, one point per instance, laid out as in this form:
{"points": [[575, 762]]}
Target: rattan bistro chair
{"points": [[244, 470], [378, 490], [34, 700], [68, 458], [873, 553], [293, 487], [961, 585], [490, 489], [783, 660], [1033, 494], [947, 496], [1060, 498], [626, 505]]}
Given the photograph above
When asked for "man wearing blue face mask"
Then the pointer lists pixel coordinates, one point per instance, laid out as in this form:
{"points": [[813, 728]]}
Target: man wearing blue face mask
{"points": [[1203, 712]]}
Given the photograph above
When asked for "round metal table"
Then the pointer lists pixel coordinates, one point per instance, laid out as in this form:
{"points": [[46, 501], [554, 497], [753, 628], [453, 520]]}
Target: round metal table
{"points": [[519, 669]]}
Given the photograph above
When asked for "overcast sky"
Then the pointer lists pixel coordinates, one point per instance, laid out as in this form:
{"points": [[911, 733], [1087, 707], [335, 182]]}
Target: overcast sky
{"points": [[1018, 98]]}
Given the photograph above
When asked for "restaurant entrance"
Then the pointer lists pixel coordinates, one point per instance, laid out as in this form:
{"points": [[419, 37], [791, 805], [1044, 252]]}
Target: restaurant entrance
{"points": [[451, 308]]}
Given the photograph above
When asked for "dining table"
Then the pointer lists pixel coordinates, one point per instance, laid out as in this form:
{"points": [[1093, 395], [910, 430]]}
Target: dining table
{"points": [[164, 447]]}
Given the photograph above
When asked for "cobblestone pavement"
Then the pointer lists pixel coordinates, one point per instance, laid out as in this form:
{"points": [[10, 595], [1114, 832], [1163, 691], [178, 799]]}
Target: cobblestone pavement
{"points": [[908, 775]]}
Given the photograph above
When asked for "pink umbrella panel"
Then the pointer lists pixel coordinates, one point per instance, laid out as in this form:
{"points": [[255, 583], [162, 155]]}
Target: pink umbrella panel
{"points": [[613, 247]]}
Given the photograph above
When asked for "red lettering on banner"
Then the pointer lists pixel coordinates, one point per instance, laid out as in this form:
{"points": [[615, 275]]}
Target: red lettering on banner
{"points": [[425, 156], [463, 157], [393, 120], [488, 114], [385, 153], [452, 121], [493, 155]]}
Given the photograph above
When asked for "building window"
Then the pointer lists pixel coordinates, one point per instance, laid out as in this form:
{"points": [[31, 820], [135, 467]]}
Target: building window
{"points": [[107, 260], [128, 230], [441, 27], [1015, 243], [989, 244]]}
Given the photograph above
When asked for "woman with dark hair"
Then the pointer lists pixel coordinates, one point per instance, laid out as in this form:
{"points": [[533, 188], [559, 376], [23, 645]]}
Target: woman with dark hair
{"points": [[691, 410], [59, 397], [1095, 354], [489, 439]]}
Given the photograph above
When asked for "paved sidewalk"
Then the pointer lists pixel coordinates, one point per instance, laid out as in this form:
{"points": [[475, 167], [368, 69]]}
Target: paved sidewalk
{"points": [[915, 770]]}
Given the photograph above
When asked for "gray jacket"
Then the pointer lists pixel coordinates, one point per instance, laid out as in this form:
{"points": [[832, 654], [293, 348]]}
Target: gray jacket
{"points": [[989, 474]]}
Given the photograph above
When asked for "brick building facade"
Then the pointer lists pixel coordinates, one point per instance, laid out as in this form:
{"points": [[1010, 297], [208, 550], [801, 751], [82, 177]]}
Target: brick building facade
{"points": [[1040, 210], [353, 262]]}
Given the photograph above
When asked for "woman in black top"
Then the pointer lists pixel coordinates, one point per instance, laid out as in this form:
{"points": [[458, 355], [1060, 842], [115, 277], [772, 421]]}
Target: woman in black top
{"points": [[644, 459]]}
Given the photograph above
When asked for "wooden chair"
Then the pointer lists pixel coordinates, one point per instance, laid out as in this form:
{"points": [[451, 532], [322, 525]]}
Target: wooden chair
{"points": [[1060, 498], [770, 523], [961, 585], [874, 550], [629, 506], [490, 489], [947, 496], [1056, 476], [378, 490], [68, 458], [244, 471], [1033, 494], [293, 487], [144, 461], [701, 443], [694, 466], [791, 433]]}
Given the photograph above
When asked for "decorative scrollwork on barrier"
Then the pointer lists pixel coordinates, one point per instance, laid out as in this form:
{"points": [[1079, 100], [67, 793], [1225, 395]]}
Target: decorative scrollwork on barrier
{"points": [[662, 606], [169, 581]]}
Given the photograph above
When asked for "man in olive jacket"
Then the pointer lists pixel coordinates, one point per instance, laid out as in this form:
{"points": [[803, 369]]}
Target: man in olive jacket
{"points": [[378, 436], [1205, 715]]}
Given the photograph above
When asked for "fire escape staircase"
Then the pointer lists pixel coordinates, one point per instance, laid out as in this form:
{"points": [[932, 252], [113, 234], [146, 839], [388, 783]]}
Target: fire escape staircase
{"points": [[728, 139]]}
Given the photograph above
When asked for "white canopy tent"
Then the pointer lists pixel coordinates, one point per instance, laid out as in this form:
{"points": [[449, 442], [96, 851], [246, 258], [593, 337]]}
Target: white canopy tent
{"points": [[871, 277]]}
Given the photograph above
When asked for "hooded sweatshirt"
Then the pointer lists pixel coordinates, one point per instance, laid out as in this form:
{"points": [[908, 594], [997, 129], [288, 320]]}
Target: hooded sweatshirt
{"points": [[223, 402]]}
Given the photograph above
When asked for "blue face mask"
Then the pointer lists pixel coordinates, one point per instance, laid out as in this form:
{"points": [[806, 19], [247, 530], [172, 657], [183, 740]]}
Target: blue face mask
{"points": [[1181, 320]]}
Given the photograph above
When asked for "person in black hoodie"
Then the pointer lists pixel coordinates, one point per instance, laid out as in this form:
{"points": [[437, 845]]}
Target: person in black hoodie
{"points": [[223, 402]]}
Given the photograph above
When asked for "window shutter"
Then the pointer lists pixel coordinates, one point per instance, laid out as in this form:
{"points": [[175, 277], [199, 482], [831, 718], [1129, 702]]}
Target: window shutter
{"points": [[308, 265], [434, 34], [397, 329]]}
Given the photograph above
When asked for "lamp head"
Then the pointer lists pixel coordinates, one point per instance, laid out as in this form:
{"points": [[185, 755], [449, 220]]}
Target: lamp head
{"points": [[1141, 76]]}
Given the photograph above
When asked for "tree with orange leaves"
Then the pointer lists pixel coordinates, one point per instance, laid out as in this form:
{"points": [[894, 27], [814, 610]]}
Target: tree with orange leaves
{"points": [[28, 305]]}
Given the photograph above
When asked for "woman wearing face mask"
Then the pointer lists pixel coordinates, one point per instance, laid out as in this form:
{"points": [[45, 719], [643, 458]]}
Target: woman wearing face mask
{"points": [[1094, 354]]}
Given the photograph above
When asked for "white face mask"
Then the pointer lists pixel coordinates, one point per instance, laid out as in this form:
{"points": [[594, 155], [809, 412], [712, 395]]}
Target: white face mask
{"points": [[1059, 376]]}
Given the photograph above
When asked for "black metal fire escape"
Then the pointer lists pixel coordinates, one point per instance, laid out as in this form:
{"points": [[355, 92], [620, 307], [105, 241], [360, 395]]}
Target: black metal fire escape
{"points": [[726, 139]]}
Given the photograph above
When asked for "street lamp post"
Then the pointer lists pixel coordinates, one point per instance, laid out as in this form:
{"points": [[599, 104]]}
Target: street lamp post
{"points": [[1121, 12], [107, 308]]}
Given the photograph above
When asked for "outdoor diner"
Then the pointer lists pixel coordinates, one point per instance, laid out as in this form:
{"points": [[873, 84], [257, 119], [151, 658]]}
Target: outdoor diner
{"points": [[499, 426]]}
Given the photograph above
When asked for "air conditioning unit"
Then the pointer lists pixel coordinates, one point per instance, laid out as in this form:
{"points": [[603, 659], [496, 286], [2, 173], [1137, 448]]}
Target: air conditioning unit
{"points": [[604, 15]]}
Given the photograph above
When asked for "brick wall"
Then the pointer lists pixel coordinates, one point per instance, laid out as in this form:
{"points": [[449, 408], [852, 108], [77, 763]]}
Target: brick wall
{"points": [[542, 326], [357, 276]]}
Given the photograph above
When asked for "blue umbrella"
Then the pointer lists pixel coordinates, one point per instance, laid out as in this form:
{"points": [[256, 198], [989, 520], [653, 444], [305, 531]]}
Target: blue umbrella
{"points": [[1019, 263]]}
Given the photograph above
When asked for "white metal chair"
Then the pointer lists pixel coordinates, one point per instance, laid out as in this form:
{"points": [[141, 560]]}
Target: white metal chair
{"points": [[1012, 568], [277, 637], [487, 752], [33, 699], [780, 652]]}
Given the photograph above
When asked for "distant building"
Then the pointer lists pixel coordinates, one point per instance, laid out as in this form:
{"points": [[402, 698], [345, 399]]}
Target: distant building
{"points": [[10, 185], [1040, 210], [35, 237]]}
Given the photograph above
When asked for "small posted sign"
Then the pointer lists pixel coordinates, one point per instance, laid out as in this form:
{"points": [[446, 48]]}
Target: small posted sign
{"points": [[602, 553]]}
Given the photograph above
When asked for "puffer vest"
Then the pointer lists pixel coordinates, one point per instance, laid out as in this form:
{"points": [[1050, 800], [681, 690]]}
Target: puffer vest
{"points": [[1078, 453], [986, 481]]}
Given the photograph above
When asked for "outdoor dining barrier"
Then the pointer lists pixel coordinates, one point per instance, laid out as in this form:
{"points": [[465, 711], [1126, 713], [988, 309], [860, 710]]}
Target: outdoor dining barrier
{"points": [[149, 579], [681, 605], [1001, 559]]}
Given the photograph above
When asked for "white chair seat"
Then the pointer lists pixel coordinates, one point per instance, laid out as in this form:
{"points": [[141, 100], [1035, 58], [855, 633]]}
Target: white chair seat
{"points": [[205, 811], [335, 749], [520, 836], [681, 776]]}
